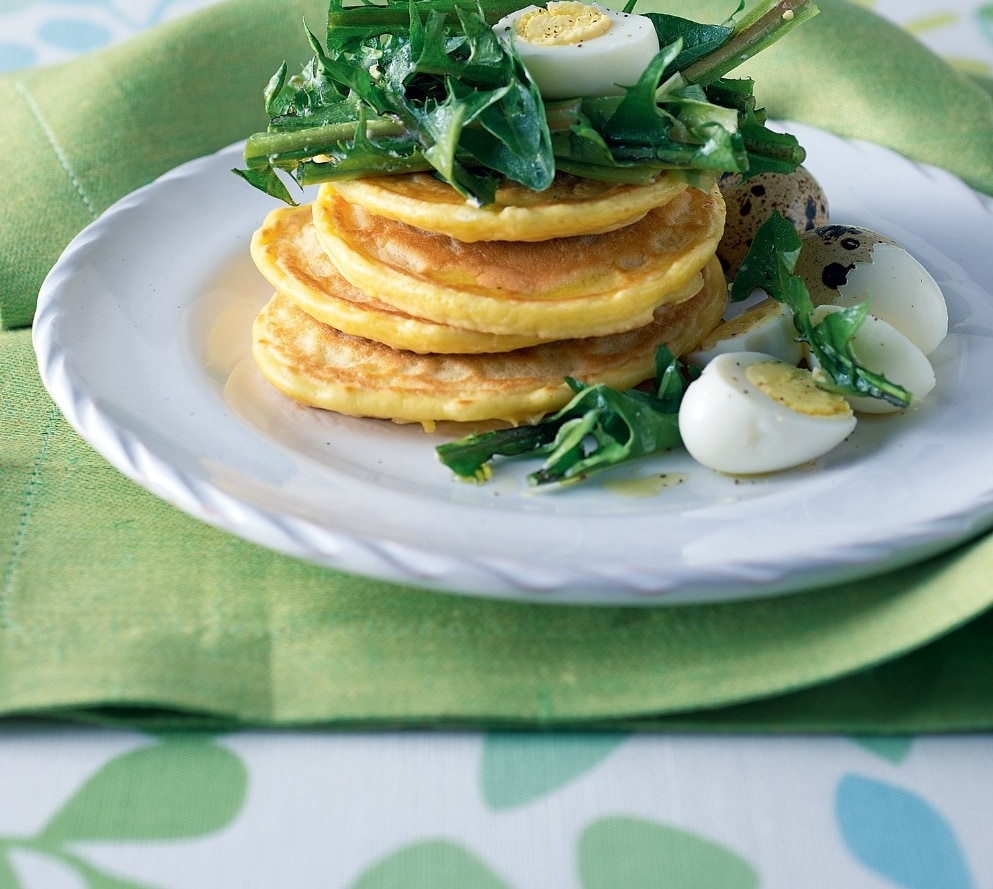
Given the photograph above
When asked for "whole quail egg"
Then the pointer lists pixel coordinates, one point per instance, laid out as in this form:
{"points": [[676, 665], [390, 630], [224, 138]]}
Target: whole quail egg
{"points": [[844, 265], [797, 196]]}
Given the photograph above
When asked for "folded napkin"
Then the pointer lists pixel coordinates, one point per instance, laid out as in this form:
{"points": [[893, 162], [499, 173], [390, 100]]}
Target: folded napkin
{"points": [[113, 602]]}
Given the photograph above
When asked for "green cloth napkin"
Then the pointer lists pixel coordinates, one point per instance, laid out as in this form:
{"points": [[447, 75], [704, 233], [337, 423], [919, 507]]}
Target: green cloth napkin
{"points": [[110, 596], [113, 602]]}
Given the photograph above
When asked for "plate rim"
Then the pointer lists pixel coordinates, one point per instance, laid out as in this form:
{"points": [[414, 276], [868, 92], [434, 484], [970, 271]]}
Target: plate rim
{"points": [[490, 576]]}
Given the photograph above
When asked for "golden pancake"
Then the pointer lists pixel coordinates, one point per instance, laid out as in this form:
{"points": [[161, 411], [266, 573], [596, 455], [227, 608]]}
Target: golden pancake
{"points": [[320, 366], [589, 285], [289, 254], [570, 206]]}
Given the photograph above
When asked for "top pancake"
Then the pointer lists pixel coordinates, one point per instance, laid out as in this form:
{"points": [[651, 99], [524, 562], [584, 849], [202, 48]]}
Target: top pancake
{"points": [[570, 206], [288, 252], [565, 287]]}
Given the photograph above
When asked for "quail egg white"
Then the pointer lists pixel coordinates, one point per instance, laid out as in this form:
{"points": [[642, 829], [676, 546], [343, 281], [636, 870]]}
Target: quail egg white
{"points": [[767, 326], [572, 49], [751, 413], [798, 196], [844, 265], [883, 349]]}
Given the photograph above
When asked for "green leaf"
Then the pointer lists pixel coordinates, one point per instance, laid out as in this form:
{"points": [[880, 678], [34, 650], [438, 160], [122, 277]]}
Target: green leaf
{"points": [[637, 119], [468, 457], [892, 748], [672, 377], [696, 40], [604, 428], [429, 865], [638, 854], [512, 138], [267, 180], [769, 263], [519, 768], [8, 876], [94, 877], [598, 429], [182, 787]]}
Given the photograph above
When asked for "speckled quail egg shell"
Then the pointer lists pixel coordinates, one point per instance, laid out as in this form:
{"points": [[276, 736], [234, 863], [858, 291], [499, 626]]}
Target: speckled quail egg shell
{"points": [[844, 265], [798, 196], [883, 349]]}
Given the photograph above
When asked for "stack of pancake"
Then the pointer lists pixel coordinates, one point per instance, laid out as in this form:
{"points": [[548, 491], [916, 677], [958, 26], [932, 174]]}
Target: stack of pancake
{"points": [[397, 299]]}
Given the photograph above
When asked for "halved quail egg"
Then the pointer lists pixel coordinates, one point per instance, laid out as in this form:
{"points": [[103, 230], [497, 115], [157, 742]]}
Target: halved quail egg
{"points": [[767, 326], [751, 413], [844, 265], [573, 49], [881, 348]]}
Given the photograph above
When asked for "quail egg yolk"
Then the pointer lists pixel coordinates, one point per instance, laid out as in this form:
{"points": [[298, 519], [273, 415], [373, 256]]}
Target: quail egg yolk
{"points": [[795, 389], [561, 23], [572, 49]]}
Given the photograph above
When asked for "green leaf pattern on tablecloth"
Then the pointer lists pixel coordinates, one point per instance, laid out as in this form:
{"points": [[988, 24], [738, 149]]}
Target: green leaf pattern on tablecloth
{"points": [[891, 748], [430, 865], [179, 788], [639, 854], [519, 767], [891, 831]]}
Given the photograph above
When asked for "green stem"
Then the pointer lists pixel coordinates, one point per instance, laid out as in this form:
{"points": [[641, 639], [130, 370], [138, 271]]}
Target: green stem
{"points": [[786, 152], [392, 15], [311, 173], [637, 174], [752, 35], [263, 149]]}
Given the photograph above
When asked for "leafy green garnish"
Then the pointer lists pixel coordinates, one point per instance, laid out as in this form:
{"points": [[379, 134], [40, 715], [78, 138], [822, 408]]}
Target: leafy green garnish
{"points": [[408, 85], [769, 266], [598, 429]]}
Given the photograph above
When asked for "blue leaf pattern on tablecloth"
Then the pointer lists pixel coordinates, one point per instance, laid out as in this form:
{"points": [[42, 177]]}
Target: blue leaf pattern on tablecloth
{"points": [[13, 55], [86, 25], [76, 35], [984, 15], [899, 835]]}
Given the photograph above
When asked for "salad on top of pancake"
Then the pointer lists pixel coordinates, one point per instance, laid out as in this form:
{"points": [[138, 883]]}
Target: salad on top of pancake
{"points": [[472, 91]]}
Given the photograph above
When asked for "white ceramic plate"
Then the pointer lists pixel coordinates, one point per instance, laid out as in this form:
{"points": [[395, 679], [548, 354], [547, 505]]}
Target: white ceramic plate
{"points": [[142, 335]]}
